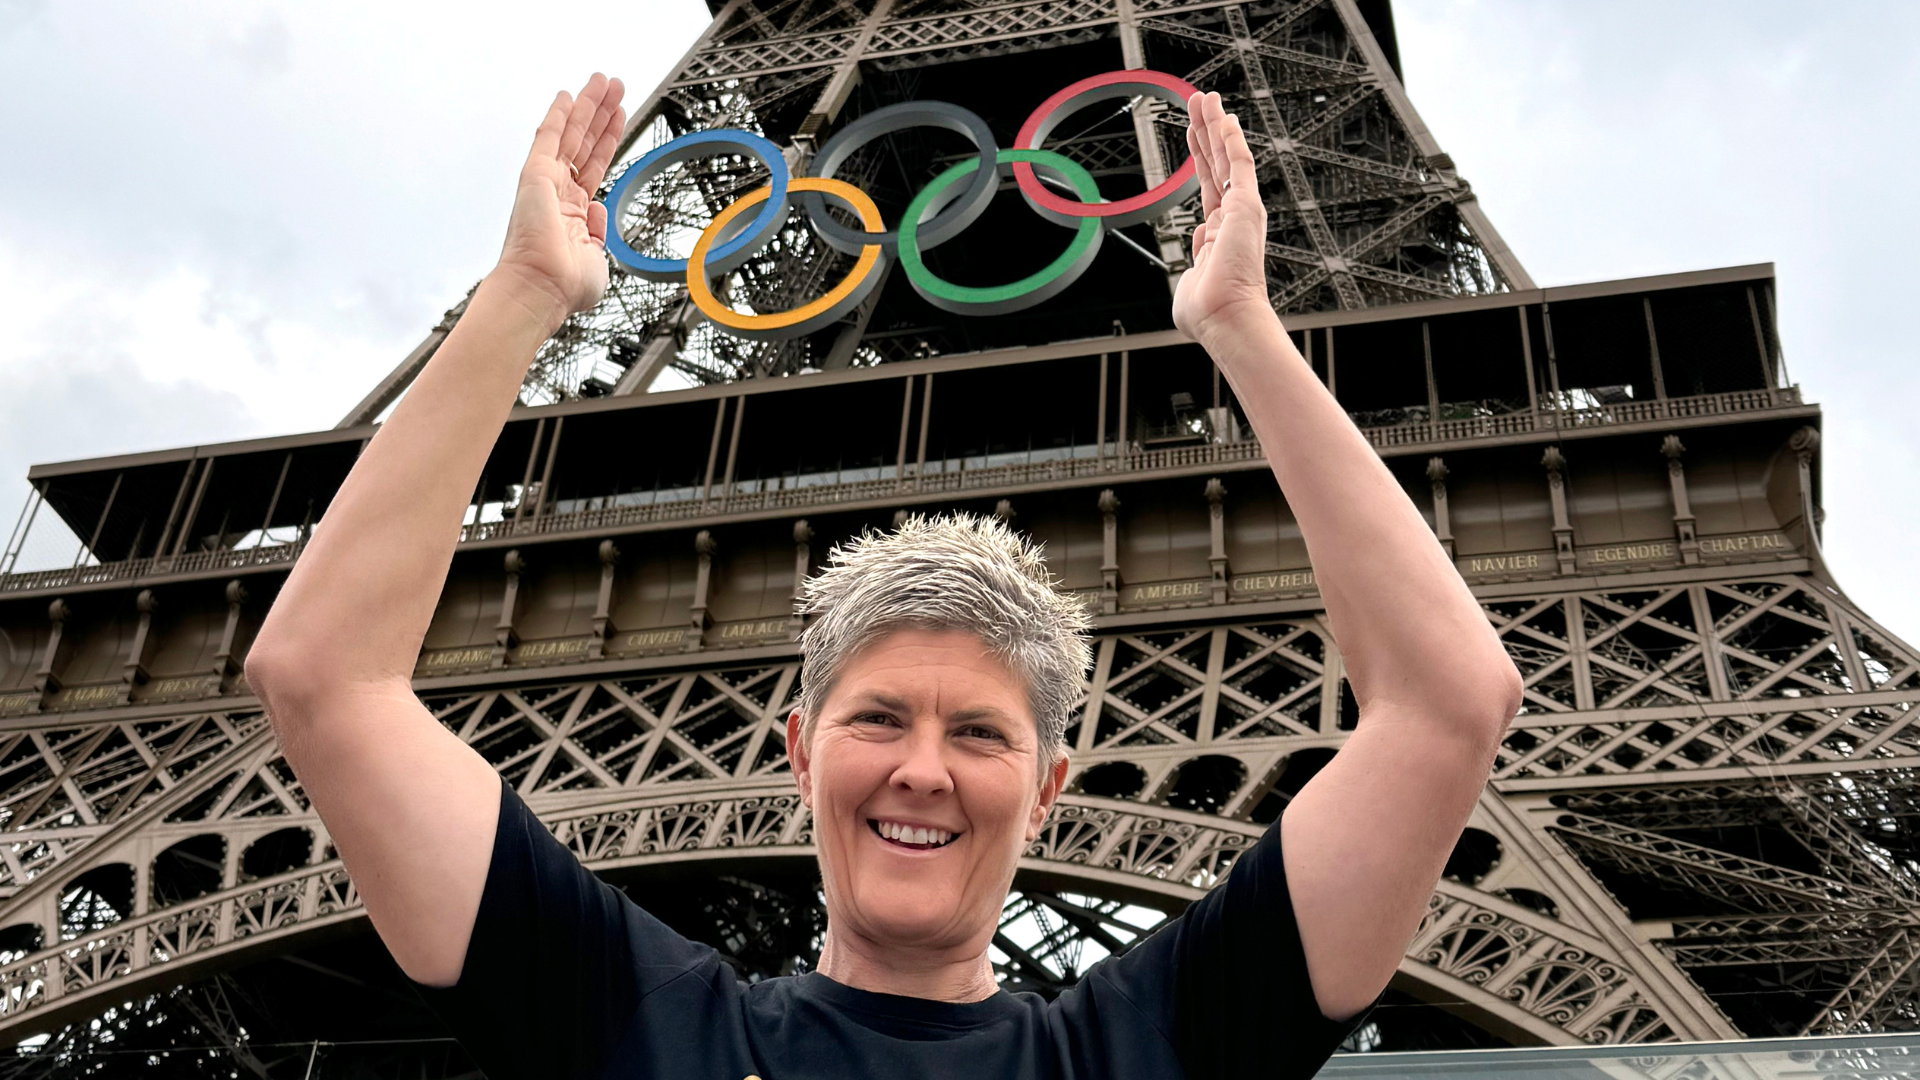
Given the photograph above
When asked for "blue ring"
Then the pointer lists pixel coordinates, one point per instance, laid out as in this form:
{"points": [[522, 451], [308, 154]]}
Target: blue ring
{"points": [[728, 256]]}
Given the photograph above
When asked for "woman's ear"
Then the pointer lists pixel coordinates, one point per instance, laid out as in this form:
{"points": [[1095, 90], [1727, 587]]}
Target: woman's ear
{"points": [[798, 760], [1050, 786]]}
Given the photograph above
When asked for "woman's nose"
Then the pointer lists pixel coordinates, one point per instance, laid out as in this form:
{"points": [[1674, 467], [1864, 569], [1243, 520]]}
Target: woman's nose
{"points": [[924, 769]]}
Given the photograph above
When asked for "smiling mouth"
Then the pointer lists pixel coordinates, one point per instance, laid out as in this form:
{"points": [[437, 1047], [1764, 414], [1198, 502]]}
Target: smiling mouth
{"points": [[910, 838]]}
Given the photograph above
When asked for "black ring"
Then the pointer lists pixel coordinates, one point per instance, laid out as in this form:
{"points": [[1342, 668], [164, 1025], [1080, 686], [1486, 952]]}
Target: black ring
{"points": [[952, 218]]}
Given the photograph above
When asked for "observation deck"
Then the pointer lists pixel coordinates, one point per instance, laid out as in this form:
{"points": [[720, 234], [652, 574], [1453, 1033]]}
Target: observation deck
{"points": [[1420, 380]]}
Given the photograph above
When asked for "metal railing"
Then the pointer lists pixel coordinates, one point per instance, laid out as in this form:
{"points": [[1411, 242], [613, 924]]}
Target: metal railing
{"points": [[721, 503], [155, 566]]}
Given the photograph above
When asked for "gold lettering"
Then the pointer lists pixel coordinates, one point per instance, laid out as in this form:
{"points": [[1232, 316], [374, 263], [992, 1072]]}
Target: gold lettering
{"points": [[456, 657], [646, 638], [1255, 583], [1500, 564], [1171, 591], [1727, 545], [759, 628], [1631, 552], [535, 649], [81, 695]]}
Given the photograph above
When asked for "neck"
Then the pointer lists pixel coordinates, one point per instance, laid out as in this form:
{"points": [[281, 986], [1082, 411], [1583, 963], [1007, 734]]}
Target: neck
{"points": [[852, 960]]}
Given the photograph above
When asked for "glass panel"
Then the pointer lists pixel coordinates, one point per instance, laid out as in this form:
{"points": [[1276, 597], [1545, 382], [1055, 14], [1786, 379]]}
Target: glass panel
{"points": [[1849, 1057]]}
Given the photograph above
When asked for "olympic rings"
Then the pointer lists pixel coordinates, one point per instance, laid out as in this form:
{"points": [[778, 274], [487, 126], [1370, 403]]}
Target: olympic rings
{"points": [[734, 252], [1028, 291], [813, 315], [938, 213]]}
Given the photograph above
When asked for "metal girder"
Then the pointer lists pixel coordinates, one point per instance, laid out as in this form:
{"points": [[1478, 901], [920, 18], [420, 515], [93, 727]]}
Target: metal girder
{"points": [[1294, 176], [1056, 930], [1406, 177], [1814, 822], [1271, 28], [1837, 842], [1334, 109], [1801, 937], [1748, 884], [1748, 952], [1244, 40], [1884, 984]]}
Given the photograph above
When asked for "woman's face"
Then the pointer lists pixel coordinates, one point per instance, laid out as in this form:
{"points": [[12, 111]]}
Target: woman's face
{"points": [[923, 774]]}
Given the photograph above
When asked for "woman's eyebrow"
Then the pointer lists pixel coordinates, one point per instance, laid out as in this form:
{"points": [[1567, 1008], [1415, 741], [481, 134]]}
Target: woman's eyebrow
{"points": [[885, 701], [980, 712]]}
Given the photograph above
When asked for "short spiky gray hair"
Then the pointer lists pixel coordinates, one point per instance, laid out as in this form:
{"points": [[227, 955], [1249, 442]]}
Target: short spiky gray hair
{"points": [[949, 572]]}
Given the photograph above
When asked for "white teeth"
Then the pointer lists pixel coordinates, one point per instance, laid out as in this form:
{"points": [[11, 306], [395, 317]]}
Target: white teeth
{"points": [[911, 834]]}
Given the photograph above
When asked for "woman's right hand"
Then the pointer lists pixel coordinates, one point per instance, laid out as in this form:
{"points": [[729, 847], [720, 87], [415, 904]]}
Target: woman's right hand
{"points": [[1225, 289], [554, 259]]}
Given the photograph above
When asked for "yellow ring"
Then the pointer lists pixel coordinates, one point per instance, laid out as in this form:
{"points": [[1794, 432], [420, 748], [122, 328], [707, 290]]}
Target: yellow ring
{"points": [[702, 295]]}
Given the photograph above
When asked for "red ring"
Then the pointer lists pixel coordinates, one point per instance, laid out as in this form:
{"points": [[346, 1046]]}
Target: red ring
{"points": [[1036, 192]]}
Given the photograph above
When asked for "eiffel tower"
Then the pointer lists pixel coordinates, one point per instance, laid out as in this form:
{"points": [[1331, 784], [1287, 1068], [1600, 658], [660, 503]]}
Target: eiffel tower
{"points": [[1702, 824]]}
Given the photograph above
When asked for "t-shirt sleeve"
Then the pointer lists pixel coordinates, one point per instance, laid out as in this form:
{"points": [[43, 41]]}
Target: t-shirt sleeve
{"points": [[557, 963], [1227, 981]]}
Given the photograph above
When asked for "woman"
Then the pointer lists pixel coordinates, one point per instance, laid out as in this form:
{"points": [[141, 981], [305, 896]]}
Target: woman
{"points": [[940, 666]]}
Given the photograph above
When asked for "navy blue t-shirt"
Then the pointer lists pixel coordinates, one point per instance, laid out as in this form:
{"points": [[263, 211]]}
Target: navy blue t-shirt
{"points": [[566, 977]]}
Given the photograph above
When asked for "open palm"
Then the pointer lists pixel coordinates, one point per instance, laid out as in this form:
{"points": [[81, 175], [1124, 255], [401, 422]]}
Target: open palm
{"points": [[1228, 277], [556, 237]]}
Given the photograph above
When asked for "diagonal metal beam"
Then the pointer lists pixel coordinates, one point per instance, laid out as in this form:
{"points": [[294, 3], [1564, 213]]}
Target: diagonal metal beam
{"points": [[1852, 1008], [1291, 171], [1748, 884]]}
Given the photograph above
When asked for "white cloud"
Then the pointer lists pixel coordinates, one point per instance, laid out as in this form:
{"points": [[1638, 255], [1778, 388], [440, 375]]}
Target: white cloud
{"points": [[232, 219]]}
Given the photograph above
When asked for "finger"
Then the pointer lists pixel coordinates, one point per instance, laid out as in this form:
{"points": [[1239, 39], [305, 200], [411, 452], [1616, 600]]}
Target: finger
{"points": [[597, 128], [584, 108], [1216, 138], [595, 169], [616, 93], [573, 140], [1197, 125], [1196, 146], [597, 222], [546, 140], [1240, 162]]}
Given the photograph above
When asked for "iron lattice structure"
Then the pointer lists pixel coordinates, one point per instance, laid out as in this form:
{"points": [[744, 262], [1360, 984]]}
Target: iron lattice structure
{"points": [[1703, 823], [1784, 799]]}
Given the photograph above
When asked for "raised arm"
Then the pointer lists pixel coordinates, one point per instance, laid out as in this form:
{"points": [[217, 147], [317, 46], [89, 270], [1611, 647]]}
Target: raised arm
{"points": [[410, 807], [1366, 839]]}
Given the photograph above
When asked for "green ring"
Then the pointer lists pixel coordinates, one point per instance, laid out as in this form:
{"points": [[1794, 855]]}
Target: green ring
{"points": [[1014, 296]]}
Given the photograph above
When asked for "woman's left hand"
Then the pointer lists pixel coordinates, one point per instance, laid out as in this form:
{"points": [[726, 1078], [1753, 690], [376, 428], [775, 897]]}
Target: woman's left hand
{"points": [[1228, 279], [555, 253]]}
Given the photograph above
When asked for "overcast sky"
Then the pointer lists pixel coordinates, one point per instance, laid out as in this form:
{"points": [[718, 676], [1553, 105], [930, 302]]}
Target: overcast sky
{"points": [[223, 219]]}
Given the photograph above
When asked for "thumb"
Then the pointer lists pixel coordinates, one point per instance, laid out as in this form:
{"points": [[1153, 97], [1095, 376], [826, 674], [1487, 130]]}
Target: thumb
{"points": [[597, 221]]}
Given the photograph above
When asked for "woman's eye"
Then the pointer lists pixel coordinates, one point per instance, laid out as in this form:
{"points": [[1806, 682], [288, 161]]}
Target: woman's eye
{"points": [[873, 718], [981, 733]]}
